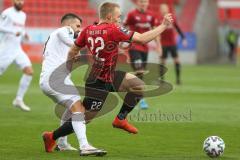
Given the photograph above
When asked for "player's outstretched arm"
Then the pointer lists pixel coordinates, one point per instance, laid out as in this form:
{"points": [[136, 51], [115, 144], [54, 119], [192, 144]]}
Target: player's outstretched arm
{"points": [[71, 55], [63, 35], [158, 45], [152, 34]]}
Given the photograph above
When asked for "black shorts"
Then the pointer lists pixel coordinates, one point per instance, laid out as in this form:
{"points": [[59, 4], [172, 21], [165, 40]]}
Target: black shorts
{"points": [[97, 91], [138, 59], [170, 49]]}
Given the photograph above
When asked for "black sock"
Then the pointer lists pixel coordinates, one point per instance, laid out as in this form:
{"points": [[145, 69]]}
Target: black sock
{"points": [[130, 101], [178, 68], [161, 71], [63, 130]]}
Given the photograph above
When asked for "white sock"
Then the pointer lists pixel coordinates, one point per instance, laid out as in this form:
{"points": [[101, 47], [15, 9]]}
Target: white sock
{"points": [[62, 140], [23, 86], [79, 128]]}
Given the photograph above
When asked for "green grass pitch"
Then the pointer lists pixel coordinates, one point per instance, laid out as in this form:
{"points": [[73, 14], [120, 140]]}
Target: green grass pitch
{"points": [[209, 99]]}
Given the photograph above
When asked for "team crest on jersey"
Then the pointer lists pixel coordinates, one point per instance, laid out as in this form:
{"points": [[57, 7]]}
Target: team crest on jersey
{"points": [[149, 18], [124, 30]]}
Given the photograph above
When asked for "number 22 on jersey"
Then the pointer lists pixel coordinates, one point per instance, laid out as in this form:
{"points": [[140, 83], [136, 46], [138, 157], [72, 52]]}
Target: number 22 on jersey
{"points": [[93, 48]]}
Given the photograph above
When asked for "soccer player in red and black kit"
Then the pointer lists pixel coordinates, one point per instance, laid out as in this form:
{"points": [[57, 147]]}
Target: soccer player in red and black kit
{"points": [[169, 44], [140, 20], [102, 40]]}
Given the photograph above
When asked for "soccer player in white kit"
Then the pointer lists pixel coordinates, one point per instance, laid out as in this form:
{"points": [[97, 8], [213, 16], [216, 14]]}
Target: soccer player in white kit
{"points": [[55, 55], [12, 28]]}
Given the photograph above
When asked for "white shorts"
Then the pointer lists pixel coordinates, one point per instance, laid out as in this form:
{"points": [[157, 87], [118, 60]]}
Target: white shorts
{"points": [[20, 59], [64, 99]]}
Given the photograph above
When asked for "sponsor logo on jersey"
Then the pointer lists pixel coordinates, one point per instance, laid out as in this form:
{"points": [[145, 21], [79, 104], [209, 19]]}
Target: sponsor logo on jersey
{"points": [[143, 25], [138, 18]]}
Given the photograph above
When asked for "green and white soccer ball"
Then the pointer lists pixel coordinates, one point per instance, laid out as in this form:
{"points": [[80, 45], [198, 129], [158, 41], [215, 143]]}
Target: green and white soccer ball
{"points": [[214, 146]]}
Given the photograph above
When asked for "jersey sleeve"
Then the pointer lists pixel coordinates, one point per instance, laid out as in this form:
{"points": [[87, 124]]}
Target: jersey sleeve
{"points": [[5, 23], [66, 36], [121, 34], [179, 30], [128, 20], [80, 41]]}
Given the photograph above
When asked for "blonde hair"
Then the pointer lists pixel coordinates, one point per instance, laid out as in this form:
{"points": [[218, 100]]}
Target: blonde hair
{"points": [[106, 8]]}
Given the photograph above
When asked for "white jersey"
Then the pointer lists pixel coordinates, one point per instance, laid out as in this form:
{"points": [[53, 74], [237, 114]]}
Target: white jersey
{"points": [[56, 50], [11, 22], [55, 54]]}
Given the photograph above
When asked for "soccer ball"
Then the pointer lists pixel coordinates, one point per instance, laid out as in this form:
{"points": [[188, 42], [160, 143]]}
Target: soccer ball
{"points": [[214, 146]]}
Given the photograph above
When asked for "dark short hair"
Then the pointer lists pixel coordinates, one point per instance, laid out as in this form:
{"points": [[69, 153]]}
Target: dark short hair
{"points": [[70, 16]]}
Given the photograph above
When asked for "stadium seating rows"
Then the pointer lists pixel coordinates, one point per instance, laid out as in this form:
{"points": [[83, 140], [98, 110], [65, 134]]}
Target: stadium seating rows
{"points": [[46, 13], [188, 15], [229, 14]]}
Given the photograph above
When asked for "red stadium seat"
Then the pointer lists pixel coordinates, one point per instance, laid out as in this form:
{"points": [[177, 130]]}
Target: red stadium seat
{"points": [[47, 13], [188, 15]]}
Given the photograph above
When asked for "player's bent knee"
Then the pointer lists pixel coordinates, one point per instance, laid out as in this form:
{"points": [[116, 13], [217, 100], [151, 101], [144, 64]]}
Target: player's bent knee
{"points": [[139, 90], [78, 116], [137, 87], [77, 107], [28, 70]]}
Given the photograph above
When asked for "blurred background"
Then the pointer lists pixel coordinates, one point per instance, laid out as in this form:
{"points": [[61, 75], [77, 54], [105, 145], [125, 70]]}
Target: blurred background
{"points": [[209, 94], [207, 24]]}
